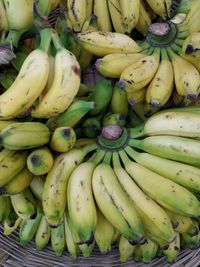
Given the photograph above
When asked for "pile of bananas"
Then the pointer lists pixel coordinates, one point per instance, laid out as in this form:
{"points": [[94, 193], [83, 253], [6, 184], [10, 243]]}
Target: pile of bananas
{"points": [[113, 164], [133, 188]]}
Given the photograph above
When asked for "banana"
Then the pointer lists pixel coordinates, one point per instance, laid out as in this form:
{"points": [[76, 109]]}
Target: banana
{"points": [[114, 119], [43, 234], [80, 202], [102, 43], [77, 13], [63, 139], [113, 65], [187, 77], [24, 135], [11, 223], [4, 124], [23, 9], [173, 250], [89, 8], [104, 233], [3, 18], [116, 15], [156, 216], [71, 246], [28, 228], [192, 240], [5, 207], [18, 183], [24, 204], [119, 103], [37, 186], [40, 161], [167, 193], [34, 73], [91, 127], [125, 249], [102, 12], [183, 174], [137, 254], [115, 205], [135, 97], [149, 250], [160, 7], [84, 142], [64, 87], [178, 123], [181, 149], [54, 197], [72, 115], [58, 239], [130, 14], [160, 88], [140, 73], [87, 249], [144, 20], [101, 95], [191, 45]]}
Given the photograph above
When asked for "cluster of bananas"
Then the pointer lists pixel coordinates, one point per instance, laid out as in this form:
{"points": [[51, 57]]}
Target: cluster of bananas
{"points": [[135, 188]]}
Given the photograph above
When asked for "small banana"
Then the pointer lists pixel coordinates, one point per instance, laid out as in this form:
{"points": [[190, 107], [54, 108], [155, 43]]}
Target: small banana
{"points": [[101, 43], [114, 119], [43, 234], [102, 12], [77, 13], [58, 239], [40, 161], [126, 250], [24, 135]]}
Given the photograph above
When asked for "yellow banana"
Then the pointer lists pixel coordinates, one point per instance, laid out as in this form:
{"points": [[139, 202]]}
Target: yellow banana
{"points": [[130, 10], [136, 97], [125, 249], [77, 13], [89, 8], [43, 234], [144, 18], [160, 7], [103, 43], [191, 45], [116, 15], [30, 81], [102, 13]]}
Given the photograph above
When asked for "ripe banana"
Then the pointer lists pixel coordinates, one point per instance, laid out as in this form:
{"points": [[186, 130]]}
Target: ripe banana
{"points": [[160, 7], [43, 234], [101, 43], [116, 15], [144, 20], [11, 163], [54, 197], [18, 183], [89, 8], [72, 115], [191, 45], [40, 161], [30, 81], [145, 205], [171, 147], [167, 193], [135, 97], [113, 65], [77, 12], [130, 11], [24, 135], [104, 232], [24, 204], [183, 174], [102, 12], [58, 239]]}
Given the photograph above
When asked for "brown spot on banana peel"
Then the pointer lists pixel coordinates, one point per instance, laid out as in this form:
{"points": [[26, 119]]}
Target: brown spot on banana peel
{"points": [[76, 70]]}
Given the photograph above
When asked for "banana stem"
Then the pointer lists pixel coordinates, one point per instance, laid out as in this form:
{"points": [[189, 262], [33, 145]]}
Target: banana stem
{"points": [[45, 39], [124, 157], [116, 161], [13, 37], [89, 148], [137, 131], [131, 152], [56, 41], [107, 158], [97, 158], [135, 143]]}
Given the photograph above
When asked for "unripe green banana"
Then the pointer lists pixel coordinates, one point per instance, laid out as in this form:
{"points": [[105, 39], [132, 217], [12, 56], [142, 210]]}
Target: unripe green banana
{"points": [[28, 228], [72, 115], [5, 207], [137, 254], [14, 162], [58, 239], [24, 204], [37, 186], [149, 250], [91, 127], [87, 249], [119, 103], [19, 182], [125, 249], [43, 234], [63, 139], [114, 119], [40, 161], [24, 135], [55, 188]]}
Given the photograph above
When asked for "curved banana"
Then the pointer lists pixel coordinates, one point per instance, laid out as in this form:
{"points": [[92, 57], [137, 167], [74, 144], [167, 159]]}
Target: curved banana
{"points": [[191, 45], [37, 186], [58, 239], [135, 97], [116, 15], [43, 234], [144, 18], [103, 18], [119, 103], [30, 81], [125, 249], [77, 13], [160, 7], [101, 43]]}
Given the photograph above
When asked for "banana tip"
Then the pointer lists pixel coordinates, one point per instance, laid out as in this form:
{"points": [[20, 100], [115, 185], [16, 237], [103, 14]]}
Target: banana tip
{"points": [[98, 63]]}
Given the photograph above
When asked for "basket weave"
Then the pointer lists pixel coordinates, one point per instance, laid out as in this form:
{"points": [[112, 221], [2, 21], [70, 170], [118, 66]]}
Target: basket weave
{"points": [[14, 255]]}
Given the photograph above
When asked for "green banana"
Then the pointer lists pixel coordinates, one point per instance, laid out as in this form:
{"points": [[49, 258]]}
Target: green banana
{"points": [[58, 239], [181, 173], [171, 147], [91, 127], [5, 207], [72, 115], [126, 250], [40, 161], [114, 119], [63, 139], [11, 163], [167, 193], [149, 250], [119, 102], [28, 228], [24, 204], [55, 189], [43, 234], [24, 135], [37, 186], [192, 240]]}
